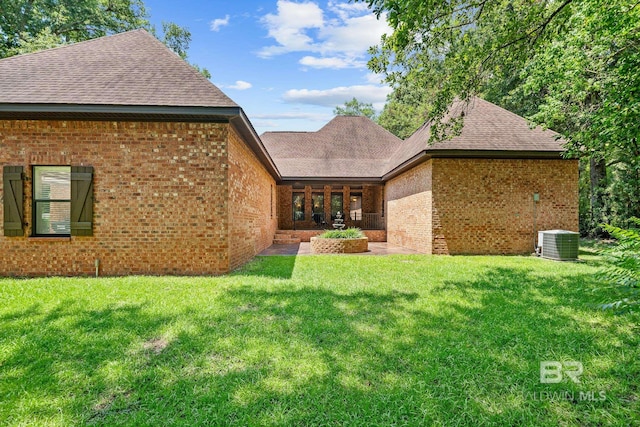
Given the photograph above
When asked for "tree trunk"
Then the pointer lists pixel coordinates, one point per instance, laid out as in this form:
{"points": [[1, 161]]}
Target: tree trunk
{"points": [[598, 181]]}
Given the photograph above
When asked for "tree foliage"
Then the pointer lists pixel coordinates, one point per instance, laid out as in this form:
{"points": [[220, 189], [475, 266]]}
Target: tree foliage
{"points": [[623, 268], [355, 108], [570, 65], [50, 23], [31, 25], [178, 39], [407, 107]]}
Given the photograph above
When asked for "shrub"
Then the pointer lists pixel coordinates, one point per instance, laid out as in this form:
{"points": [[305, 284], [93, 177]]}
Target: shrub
{"points": [[349, 233], [623, 266]]}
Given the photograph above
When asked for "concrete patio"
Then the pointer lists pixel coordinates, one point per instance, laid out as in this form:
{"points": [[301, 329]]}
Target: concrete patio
{"points": [[304, 248]]}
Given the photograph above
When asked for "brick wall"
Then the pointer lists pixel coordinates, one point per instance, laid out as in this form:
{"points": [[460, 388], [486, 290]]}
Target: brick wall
{"points": [[485, 206], [339, 246], [408, 209], [160, 194], [480, 206], [252, 203]]}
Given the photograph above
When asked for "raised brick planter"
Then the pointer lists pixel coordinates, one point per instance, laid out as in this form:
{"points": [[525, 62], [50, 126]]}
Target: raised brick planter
{"points": [[339, 246], [306, 235]]}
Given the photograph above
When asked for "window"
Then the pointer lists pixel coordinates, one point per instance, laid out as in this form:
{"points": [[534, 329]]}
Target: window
{"points": [[336, 204], [52, 200], [61, 200], [298, 206], [317, 201]]}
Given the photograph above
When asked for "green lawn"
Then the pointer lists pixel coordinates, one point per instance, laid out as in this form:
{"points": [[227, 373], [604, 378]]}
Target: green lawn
{"points": [[328, 340]]}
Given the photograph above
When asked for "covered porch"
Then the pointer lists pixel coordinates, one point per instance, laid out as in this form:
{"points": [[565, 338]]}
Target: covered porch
{"points": [[314, 206]]}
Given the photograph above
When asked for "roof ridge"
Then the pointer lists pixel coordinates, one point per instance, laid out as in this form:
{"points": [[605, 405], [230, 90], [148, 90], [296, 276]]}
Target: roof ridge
{"points": [[184, 62], [288, 131], [134, 67], [510, 112], [476, 110], [73, 44]]}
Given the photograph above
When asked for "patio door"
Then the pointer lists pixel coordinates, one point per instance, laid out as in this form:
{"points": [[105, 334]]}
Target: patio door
{"points": [[317, 202], [336, 205], [355, 207]]}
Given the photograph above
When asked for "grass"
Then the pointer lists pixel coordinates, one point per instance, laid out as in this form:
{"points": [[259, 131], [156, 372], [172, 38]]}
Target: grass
{"points": [[349, 233], [319, 340]]}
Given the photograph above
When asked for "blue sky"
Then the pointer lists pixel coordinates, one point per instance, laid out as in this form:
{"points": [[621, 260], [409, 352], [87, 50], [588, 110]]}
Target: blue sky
{"points": [[287, 63]]}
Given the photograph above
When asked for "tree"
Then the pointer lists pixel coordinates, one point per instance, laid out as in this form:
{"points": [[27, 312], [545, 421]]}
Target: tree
{"points": [[355, 108], [44, 23], [408, 105], [31, 25], [177, 39], [622, 268], [570, 65]]}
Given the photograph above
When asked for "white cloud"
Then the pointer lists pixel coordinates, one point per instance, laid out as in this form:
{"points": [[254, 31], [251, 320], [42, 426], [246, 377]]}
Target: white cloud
{"points": [[343, 31], [289, 27], [241, 85], [264, 124], [316, 117], [376, 95], [331, 62], [344, 10], [354, 35], [218, 23], [374, 78], [290, 121]]}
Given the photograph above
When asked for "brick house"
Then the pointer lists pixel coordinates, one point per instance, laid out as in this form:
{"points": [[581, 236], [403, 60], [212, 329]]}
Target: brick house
{"points": [[116, 150], [116, 153], [472, 194]]}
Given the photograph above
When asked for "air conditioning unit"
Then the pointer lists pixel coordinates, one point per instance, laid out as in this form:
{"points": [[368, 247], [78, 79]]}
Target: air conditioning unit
{"points": [[561, 245]]}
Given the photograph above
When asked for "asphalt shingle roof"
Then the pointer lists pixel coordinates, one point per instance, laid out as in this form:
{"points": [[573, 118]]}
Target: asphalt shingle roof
{"points": [[132, 68], [350, 146], [346, 147], [135, 69], [487, 127]]}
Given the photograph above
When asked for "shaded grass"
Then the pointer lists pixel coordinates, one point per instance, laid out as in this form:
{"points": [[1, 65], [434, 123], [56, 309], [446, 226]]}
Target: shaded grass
{"points": [[341, 340]]}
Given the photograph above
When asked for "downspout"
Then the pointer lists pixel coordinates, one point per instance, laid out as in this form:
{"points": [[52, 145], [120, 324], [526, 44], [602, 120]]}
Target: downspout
{"points": [[536, 199]]}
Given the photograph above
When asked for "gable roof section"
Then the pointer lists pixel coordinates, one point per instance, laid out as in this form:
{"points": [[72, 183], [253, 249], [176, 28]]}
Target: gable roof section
{"points": [[348, 147], [354, 147], [488, 131], [133, 75], [125, 76], [132, 68]]}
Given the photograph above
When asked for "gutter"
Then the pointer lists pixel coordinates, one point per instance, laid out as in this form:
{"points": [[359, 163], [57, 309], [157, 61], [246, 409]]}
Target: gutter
{"points": [[233, 115], [107, 112], [427, 154], [336, 180], [245, 128]]}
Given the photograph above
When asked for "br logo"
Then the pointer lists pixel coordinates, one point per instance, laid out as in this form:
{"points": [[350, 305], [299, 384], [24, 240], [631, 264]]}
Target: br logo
{"points": [[552, 372]]}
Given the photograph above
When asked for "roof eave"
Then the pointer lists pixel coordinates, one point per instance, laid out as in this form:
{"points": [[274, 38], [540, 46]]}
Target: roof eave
{"points": [[471, 154], [245, 128], [42, 111], [288, 180], [233, 115]]}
